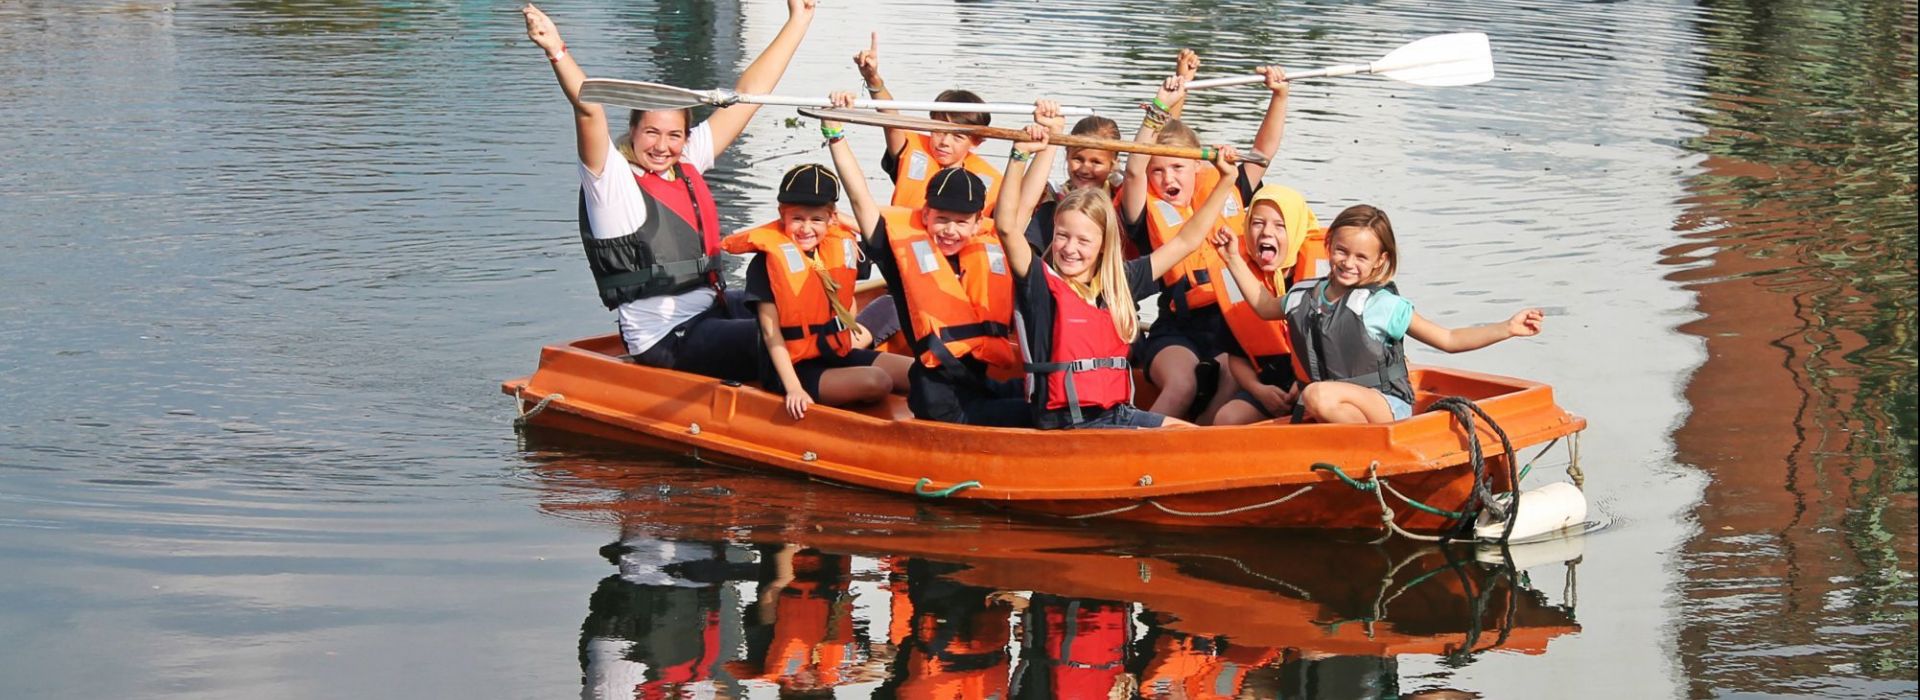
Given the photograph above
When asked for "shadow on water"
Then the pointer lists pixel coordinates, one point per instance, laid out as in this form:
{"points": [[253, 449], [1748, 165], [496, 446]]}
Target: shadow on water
{"points": [[741, 582], [1801, 236]]}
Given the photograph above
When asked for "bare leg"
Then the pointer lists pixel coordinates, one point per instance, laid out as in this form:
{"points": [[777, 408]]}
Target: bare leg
{"points": [[1340, 402], [841, 386], [896, 367], [1172, 371], [1238, 412]]}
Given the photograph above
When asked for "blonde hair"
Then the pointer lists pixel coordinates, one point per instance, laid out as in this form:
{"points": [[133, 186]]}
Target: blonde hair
{"points": [[1109, 272], [1372, 220], [1177, 133]]}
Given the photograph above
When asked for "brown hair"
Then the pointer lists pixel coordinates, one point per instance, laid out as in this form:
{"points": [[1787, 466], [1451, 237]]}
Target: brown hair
{"points": [[966, 118], [1097, 126], [1177, 133], [1369, 218], [1109, 272], [624, 144]]}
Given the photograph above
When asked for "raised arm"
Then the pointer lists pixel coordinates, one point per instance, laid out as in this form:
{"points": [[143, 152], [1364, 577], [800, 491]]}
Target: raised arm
{"points": [[1266, 141], [866, 211], [589, 119], [1186, 65], [1206, 219], [1133, 188], [1012, 213], [1523, 324], [1263, 302], [1046, 113], [761, 76], [868, 61]]}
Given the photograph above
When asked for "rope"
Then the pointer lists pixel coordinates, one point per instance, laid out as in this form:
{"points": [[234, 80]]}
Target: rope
{"points": [[1386, 514], [1115, 511], [1373, 484], [920, 488], [526, 416], [1230, 511], [1573, 463], [1464, 410], [1536, 457]]}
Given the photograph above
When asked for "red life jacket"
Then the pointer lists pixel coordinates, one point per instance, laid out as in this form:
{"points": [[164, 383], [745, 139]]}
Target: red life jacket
{"points": [[687, 196], [808, 324], [1088, 366], [917, 167], [1087, 647]]}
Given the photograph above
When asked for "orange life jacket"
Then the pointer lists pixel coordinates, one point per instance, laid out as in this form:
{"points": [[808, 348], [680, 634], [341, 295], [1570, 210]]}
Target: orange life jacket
{"points": [[808, 323], [1313, 261], [1194, 278], [955, 314], [1265, 342], [917, 166]]}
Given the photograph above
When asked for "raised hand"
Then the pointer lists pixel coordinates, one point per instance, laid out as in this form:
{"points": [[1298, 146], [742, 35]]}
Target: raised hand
{"points": [[1526, 323], [1172, 90], [868, 61], [541, 30], [1225, 159], [841, 100], [1035, 141], [1047, 113], [1187, 65], [801, 8], [1276, 79]]}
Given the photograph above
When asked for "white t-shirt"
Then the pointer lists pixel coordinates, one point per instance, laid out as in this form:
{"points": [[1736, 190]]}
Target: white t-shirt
{"points": [[615, 208]]}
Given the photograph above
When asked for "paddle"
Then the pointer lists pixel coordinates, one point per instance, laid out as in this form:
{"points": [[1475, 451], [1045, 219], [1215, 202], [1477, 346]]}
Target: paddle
{"points": [[897, 121], [1437, 61], [634, 94]]}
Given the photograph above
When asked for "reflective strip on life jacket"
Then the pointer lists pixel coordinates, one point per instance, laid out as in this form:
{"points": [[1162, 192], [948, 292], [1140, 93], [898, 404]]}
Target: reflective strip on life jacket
{"points": [[1089, 364], [808, 324], [954, 314], [917, 166], [1194, 280]]}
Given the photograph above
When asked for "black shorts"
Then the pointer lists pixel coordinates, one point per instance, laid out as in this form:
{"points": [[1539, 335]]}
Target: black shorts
{"points": [[1203, 332], [810, 370], [722, 342], [972, 399], [1247, 396]]}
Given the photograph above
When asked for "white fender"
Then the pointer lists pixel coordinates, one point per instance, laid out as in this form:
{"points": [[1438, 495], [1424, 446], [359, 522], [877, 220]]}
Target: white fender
{"points": [[1551, 508]]}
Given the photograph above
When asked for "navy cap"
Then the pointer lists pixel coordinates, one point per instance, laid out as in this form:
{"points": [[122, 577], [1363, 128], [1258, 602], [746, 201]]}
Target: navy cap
{"points": [[809, 185], [956, 190]]}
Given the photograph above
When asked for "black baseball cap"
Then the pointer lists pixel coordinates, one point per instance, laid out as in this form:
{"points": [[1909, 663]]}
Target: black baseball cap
{"points": [[956, 190], [809, 185]]}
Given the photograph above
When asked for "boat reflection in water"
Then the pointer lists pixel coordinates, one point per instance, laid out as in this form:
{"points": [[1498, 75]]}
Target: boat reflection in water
{"points": [[744, 585]]}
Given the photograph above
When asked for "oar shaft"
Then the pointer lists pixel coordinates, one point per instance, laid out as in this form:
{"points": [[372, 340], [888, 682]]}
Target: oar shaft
{"points": [[1327, 72], [911, 106], [1117, 145]]}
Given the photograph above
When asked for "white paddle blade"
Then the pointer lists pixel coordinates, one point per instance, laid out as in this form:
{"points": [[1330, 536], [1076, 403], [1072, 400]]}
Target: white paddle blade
{"points": [[1440, 61], [633, 94]]}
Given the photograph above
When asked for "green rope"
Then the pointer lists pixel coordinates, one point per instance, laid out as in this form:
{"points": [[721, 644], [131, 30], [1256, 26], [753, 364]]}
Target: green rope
{"points": [[1371, 485], [920, 488]]}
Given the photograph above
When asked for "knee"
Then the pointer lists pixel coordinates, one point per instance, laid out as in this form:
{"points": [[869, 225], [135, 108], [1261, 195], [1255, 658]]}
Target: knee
{"points": [[1236, 412], [875, 384], [1316, 397], [1175, 383]]}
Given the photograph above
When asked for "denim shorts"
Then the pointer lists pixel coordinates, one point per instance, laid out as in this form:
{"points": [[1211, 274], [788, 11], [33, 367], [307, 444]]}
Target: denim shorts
{"points": [[1401, 409], [1122, 416]]}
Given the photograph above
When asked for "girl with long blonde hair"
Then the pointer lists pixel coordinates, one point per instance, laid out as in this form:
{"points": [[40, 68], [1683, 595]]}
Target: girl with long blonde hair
{"points": [[1078, 309]]}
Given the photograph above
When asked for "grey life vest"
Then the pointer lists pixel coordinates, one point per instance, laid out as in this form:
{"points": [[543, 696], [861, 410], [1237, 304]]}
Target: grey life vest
{"points": [[1332, 342], [666, 255]]}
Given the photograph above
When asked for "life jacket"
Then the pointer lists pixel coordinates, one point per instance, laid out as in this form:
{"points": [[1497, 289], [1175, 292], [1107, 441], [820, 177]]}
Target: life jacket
{"points": [[916, 168], [1333, 343], [1193, 281], [1089, 365], [954, 314], [1085, 647], [1313, 260], [675, 251], [810, 322], [1266, 342]]}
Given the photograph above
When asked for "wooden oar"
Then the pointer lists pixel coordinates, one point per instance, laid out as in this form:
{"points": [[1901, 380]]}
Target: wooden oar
{"points": [[634, 94], [1438, 61], [897, 121]]}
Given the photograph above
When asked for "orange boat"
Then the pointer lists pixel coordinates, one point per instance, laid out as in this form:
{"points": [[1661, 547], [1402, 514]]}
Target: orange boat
{"points": [[1235, 476]]}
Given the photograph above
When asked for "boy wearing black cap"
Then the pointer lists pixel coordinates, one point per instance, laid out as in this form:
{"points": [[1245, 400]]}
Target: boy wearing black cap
{"points": [[801, 283], [950, 281]]}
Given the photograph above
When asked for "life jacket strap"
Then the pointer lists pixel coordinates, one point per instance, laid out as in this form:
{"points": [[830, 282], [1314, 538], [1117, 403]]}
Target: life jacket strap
{"points": [[819, 329], [1085, 364], [634, 278]]}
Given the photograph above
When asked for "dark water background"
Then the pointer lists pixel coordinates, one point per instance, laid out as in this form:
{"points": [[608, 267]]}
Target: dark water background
{"points": [[266, 262]]}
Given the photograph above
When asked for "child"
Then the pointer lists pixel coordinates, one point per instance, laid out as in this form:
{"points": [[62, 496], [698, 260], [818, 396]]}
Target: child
{"points": [[1259, 352], [1079, 306], [802, 284], [912, 158], [949, 278], [1348, 328], [1156, 199]]}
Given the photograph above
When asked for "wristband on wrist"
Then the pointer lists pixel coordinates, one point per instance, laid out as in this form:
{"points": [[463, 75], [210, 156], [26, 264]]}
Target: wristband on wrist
{"points": [[874, 87], [557, 55], [1162, 106], [833, 134], [1019, 156]]}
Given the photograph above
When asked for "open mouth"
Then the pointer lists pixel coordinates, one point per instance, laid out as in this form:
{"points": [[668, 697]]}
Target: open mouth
{"points": [[1266, 252]]}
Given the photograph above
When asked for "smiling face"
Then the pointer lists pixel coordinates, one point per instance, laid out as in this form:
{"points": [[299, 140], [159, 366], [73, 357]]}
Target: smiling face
{"points": [[1075, 249], [1088, 167], [950, 229], [1267, 236], [950, 149], [805, 225], [1171, 179], [1355, 256], [658, 139]]}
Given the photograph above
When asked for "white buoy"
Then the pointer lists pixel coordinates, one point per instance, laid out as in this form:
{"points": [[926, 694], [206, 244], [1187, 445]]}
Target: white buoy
{"points": [[1563, 546], [1551, 508]]}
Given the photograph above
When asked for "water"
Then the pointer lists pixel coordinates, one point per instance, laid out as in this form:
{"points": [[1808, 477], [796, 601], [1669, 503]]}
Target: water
{"points": [[266, 263]]}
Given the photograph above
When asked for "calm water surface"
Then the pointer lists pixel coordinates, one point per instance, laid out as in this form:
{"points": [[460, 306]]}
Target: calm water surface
{"points": [[266, 263]]}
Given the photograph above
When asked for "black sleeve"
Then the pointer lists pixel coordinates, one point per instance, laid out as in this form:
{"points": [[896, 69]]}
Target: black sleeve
{"points": [[890, 164], [1229, 344], [759, 286], [1040, 228], [1246, 185], [1140, 280], [1136, 230], [1036, 308], [878, 250]]}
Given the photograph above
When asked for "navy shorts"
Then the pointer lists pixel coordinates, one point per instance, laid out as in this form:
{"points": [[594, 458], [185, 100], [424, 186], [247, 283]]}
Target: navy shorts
{"points": [[811, 369], [722, 342]]}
